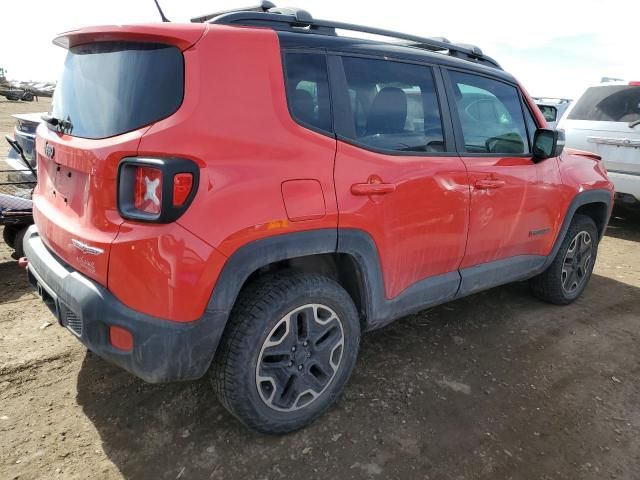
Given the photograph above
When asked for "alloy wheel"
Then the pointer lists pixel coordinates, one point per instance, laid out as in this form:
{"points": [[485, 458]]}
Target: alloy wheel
{"points": [[577, 261], [300, 357]]}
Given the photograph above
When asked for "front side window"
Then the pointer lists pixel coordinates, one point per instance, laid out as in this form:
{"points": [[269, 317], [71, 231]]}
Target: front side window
{"points": [[308, 89], [490, 115], [394, 106]]}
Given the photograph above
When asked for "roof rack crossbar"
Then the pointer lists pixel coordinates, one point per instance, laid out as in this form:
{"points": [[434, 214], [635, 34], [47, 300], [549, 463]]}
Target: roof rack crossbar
{"points": [[300, 20]]}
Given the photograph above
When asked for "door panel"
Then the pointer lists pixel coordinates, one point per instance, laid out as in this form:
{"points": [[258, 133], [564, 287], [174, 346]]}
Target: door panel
{"points": [[510, 194], [420, 228], [394, 179], [514, 218]]}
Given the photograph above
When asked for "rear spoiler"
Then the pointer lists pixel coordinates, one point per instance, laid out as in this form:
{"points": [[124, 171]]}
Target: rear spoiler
{"points": [[182, 36]]}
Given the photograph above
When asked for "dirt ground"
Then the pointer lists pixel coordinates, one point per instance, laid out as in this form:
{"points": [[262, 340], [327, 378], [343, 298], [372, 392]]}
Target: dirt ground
{"points": [[494, 386]]}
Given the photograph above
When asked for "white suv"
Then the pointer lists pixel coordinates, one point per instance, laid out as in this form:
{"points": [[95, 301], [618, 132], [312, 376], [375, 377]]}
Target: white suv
{"points": [[606, 120]]}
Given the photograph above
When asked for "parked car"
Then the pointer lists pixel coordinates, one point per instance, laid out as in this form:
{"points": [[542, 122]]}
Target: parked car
{"points": [[16, 94], [24, 134], [606, 120], [271, 190], [552, 109]]}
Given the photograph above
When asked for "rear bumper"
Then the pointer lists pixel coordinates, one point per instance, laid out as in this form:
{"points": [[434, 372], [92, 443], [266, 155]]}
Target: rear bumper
{"points": [[162, 350], [627, 184]]}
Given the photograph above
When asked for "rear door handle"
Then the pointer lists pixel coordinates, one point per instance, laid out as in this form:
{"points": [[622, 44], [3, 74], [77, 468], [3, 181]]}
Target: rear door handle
{"points": [[489, 184], [372, 188]]}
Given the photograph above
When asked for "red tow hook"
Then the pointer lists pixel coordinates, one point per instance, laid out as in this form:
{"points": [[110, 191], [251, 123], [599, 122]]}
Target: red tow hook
{"points": [[23, 262]]}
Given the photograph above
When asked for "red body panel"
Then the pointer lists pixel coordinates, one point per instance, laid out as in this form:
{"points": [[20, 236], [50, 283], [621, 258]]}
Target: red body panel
{"points": [[420, 229], [236, 123], [76, 196], [164, 266]]}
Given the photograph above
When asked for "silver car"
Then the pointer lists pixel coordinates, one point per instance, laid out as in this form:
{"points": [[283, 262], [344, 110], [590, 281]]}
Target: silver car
{"points": [[552, 108], [606, 120]]}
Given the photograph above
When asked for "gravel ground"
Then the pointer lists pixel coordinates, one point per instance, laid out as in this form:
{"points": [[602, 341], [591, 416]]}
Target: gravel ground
{"points": [[494, 386]]}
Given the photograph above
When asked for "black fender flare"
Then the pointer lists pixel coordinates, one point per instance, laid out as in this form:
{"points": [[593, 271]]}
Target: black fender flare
{"points": [[580, 200], [357, 244]]}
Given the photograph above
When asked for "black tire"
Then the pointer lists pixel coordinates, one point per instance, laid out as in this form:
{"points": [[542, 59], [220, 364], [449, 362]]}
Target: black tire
{"points": [[259, 313], [555, 285], [27, 97], [17, 244], [9, 235]]}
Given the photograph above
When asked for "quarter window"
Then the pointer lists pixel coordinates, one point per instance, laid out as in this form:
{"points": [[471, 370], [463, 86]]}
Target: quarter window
{"points": [[394, 106], [308, 89], [490, 115]]}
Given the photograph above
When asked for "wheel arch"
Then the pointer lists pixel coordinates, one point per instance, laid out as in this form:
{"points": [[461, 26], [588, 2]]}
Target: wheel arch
{"points": [[315, 251], [596, 204]]}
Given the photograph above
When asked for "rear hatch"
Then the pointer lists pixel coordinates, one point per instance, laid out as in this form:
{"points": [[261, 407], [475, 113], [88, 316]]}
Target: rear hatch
{"points": [[113, 87], [606, 121]]}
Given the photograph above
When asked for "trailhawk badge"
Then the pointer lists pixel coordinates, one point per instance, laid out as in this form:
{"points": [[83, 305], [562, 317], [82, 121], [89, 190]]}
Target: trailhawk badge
{"points": [[88, 249]]}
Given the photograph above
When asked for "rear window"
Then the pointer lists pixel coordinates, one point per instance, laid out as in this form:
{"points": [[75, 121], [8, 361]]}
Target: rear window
{"points": [[613, 103], [109, 88]]}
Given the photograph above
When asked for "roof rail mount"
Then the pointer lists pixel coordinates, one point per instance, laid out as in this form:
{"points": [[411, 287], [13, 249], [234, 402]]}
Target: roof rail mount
{"points": [[264, 6], [297, 20]]}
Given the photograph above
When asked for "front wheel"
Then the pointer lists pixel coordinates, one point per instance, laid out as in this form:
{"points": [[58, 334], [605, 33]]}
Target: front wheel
{"points": [[288, 351], [568, 275]]}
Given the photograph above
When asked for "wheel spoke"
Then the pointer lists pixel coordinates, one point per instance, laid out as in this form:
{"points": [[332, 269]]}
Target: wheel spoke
{"points": [[585, 246], [289, 393], [328, 337], [276, 355], [302, 322]]}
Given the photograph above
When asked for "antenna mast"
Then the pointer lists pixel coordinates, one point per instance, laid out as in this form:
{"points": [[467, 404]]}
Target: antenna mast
{"points": [[164, 19]]}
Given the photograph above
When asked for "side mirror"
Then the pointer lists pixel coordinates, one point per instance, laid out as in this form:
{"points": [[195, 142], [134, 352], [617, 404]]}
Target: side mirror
{"points": [[547, 143]]}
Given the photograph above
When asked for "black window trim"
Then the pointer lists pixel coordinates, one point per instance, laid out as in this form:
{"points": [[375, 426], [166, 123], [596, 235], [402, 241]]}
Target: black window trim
{"points": [[457, 125], [308, 126], [527, 108], [343, 117]]}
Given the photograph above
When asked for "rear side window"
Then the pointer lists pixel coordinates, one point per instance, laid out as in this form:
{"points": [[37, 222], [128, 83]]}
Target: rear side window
{"points": [[611, 103], [308, 89], [394, 105], [109, 88], [490, 115]]}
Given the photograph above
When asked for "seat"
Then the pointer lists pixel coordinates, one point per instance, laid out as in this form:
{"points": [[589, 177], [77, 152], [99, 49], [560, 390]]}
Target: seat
{"points": [[388, 112], [303, 107]]}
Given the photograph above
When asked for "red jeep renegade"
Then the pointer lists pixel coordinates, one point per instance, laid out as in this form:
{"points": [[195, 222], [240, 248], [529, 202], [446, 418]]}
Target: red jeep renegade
{"points": [[247, 194]]}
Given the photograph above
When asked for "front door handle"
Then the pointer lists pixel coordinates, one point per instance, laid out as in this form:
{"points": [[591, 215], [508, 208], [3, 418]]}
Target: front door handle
{"points": [[372, 188], [489, 184]]}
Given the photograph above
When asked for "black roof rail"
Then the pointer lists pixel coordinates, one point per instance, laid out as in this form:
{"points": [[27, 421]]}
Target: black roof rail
{"points": [[297, 20], [264, 6]]}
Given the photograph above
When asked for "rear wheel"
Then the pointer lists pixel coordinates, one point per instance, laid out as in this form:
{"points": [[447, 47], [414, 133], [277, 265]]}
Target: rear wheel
{"points": [[288, 351], [568, 275], [9, 235], [17, 244]]}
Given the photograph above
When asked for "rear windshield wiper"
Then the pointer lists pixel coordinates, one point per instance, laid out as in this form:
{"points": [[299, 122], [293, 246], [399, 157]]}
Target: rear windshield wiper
{"points": [[58, 124], [635, 123]]}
